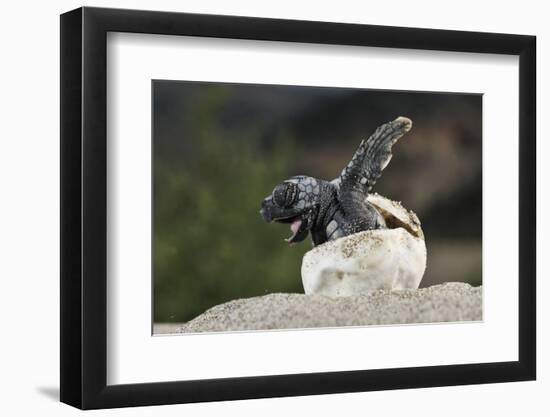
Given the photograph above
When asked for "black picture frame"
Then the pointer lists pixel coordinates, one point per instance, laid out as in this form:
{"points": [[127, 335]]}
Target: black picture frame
{"points": [[84, 197]]}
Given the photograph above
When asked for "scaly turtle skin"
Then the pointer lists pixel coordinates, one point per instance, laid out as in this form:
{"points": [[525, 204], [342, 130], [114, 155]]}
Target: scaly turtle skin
{"points": [[337, 208]]}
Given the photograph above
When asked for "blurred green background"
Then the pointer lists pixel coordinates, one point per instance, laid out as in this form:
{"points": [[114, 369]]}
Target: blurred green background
{"points": [[220, 148]]}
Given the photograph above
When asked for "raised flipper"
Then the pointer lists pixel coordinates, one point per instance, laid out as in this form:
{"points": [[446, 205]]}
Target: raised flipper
{"points": [[372, 156]]}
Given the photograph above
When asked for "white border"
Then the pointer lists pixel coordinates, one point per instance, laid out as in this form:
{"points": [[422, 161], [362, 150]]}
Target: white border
{"points": [[134, 356]]}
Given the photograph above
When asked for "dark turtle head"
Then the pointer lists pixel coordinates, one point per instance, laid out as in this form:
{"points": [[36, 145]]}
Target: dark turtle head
{"points": [[295, 201]]}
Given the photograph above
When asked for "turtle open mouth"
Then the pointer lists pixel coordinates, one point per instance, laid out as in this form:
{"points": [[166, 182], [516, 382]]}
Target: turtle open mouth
{"points": [[298, 227]]}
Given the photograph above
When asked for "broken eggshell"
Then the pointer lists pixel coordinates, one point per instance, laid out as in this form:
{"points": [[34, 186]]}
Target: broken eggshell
{"points": [[392, 258]]}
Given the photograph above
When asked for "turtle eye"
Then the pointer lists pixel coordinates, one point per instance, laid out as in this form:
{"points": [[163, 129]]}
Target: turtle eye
{"points": [[284, 194]]}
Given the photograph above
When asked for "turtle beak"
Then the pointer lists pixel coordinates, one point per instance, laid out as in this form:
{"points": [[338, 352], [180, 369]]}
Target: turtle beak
{"points": [[263, 213], [266, 210]]}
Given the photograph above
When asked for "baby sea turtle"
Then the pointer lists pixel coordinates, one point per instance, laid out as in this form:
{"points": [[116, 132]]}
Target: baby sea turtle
{"points": [[337, 208]]}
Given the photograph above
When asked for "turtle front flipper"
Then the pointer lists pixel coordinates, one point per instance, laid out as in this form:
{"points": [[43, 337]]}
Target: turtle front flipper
{"points": [[359, 176], [372, 156]]}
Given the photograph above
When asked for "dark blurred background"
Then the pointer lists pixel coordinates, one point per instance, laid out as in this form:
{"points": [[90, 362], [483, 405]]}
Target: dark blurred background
{"points": [[220, 148]]}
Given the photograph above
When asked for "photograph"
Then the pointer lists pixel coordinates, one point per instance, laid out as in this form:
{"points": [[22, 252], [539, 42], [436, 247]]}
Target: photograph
{"points": [[280, 207]]}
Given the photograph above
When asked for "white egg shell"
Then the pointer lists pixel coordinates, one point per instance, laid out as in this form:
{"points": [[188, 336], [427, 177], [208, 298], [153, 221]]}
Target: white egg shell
{"points": [[393, 258]]}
